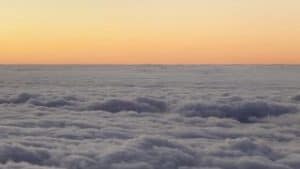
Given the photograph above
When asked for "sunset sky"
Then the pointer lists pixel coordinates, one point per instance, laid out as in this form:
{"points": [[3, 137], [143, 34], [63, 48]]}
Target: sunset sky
{"points": [[149, 31]]}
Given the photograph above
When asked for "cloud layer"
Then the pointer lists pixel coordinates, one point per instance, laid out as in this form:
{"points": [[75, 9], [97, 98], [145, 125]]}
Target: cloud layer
{"points": [[149, 117], [235, 107]]}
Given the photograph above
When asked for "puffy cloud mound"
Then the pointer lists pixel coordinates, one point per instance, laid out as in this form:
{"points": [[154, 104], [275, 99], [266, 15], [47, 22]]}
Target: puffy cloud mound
{"points": [[249, 147], [292, 160], [296, 98], [23, 165], [137, 105], [159, 105], [39, 100], [78, 162], [244, 111], [148, 152], [58, 102], [245, 163], [18, 99], [18, 153], [244, 153]]}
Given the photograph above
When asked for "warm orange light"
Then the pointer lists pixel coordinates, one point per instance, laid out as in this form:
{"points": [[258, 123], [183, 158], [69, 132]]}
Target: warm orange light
{"points": [[150, 32]]}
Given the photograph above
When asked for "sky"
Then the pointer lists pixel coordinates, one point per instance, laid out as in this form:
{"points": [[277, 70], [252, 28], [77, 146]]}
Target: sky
{"points": [[150, 32]]}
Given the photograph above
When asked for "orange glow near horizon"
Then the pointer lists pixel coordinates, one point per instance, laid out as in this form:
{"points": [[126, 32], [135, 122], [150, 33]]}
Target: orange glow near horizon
{"points": [[150, 32]]}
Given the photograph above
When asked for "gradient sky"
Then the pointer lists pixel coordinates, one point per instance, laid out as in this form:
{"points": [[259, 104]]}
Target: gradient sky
{"points": [[149, 31]]}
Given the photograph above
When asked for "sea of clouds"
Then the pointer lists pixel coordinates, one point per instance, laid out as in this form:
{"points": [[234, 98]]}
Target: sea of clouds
{"points": [[150, 117]]}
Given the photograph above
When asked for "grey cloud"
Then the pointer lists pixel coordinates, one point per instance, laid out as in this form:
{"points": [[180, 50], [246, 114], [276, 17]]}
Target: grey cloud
{"points": [[18, 99], [23, 165], [248, 147], [50, 103], [39, 100], [154, 151], [245, 111], [149, 117], [296, 98], [245, 163], [292, 160], [18, 153], [139, 105]]}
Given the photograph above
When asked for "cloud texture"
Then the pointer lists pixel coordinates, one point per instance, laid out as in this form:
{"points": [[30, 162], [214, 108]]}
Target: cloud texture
{"points": [[149, 117]]}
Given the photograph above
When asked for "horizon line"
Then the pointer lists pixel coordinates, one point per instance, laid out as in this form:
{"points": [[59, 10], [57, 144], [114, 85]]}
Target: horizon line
{"points": [[146, 64]]}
